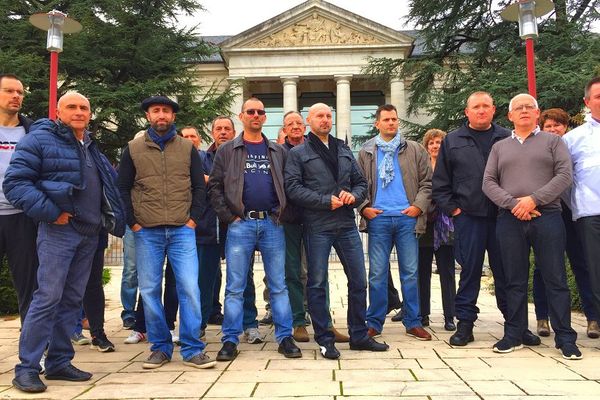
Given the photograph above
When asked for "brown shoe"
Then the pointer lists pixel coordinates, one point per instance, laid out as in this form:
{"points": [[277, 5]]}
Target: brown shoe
{"points": [[419, 333], [593, 330], [373, 333], [300, 334], [339, 337], [543, 329]]}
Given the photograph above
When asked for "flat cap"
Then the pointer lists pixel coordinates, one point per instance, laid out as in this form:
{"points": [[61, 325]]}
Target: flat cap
{"points": [[159, 100]]}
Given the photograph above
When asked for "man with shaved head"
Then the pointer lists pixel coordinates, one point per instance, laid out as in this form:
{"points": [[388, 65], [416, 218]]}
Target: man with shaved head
{"points": [[59, 178], [525, 176], [322, 176]]}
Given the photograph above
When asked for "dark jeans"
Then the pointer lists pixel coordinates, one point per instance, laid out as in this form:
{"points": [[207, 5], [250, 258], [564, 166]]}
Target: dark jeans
{"points": [[65, 262], [349, 249], [580, 271], [444, 259], [293, 272], [209, 261], [17, 240], [546, 235], [588, 229], [93, 299], [170, 301], [472, 237], [217, 307], [394, 300]]}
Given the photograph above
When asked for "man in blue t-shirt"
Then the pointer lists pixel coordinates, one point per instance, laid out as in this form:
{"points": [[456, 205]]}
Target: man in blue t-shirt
{"points": [[398, 173], [246, 191]]}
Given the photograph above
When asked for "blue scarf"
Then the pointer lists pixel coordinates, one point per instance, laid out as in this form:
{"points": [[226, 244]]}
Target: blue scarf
{"points": [[162, 140], [386, 167]]}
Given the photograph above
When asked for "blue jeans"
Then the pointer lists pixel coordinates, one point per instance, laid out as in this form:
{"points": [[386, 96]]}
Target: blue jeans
{"points": [[129, 279], [65, 263], [243, 237], [384, 233], [179, 244], [349, 249]]}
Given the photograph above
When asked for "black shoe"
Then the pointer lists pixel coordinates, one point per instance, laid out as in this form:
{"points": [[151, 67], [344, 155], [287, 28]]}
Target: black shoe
{"points": [[569, 351], [394, 306], [369, 344], [102, 344], [288, 348], [267, 319], [70, 373], [128, 323], [329, 351], [228, 352], [398, 317], [449, 324], [529, 339], [216, 319], [506, 346], [29, 382], [463, 335], [425, 320]]}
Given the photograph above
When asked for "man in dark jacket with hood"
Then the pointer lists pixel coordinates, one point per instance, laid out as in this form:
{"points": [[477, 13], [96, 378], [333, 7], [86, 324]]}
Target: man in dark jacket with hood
{"points": [[58, 177]]}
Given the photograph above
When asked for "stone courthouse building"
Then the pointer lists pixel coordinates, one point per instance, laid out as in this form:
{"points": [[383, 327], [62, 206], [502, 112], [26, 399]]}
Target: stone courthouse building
{"points": [[314, 52]]}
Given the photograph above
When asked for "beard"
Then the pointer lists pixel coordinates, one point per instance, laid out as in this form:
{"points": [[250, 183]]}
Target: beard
{"points": [[161, 128]]}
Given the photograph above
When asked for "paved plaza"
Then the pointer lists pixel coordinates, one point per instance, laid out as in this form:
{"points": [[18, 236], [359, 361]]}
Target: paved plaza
{"points": [[411, 369]]}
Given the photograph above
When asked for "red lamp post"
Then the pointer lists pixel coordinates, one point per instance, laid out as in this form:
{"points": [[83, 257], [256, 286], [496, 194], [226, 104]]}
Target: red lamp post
{"points": [[56, 23], [526, 13]]}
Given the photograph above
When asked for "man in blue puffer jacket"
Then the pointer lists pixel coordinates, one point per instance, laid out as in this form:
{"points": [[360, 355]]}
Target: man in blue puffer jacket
{"points": [[58, 177]]}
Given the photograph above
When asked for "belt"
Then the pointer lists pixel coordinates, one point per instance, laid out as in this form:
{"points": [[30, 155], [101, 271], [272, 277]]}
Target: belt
{"points": [[256, 214]]}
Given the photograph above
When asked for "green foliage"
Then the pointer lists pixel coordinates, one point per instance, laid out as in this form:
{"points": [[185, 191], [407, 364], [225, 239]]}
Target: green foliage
{"points": [[105, 276], [128, 50], [8, 296], [575, 299], [468, 48]]}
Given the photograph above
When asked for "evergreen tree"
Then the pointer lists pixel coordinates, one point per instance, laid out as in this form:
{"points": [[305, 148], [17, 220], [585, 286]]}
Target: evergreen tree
{"points": [[467, 47], [128, 50]]}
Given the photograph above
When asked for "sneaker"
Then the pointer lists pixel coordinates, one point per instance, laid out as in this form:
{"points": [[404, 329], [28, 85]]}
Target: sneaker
{"points": [[300, 334], [70, 373], [80, 339], [201, 360], [543, 328], [529, 339], [372, 332], [463, 334], [175, 338], [228, 352], [135, 337], [398, 317], [29, 382], [102, 344], [253, 336], [506, 346], [593, 330], [288, 348], [329, 351], [570, 352], [128, 323], [369, 344], [156, 360], [449, 324], [419, 333], [267, 319]]}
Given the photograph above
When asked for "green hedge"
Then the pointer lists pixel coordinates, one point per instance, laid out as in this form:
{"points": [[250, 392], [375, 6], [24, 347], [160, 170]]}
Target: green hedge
{"points": [[575, 299]]}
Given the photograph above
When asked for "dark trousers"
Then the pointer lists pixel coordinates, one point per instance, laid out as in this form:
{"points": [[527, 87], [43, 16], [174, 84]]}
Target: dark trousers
{"points": [[17, 241], [209, 262], [580, 271], [394, 300], [293, 272], [170, 301], [216, 304], [472, 237], [588, 229], [444, 259], [546, 235], [93, 299]]}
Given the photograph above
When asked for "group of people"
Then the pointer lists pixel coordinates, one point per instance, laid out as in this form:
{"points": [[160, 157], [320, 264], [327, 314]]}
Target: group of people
{"points": [[481, 188]]}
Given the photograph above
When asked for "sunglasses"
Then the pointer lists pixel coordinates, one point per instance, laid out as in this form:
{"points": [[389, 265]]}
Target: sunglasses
{"points": [[252, 111]]}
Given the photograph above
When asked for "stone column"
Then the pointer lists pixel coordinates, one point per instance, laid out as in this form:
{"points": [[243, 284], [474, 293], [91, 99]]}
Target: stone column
{"points": [[236, 105], [343, 130], [290, 93], [397, 96]]}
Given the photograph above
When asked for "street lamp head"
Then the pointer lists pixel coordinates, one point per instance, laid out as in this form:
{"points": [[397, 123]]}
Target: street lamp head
{"points": [[526, 13], [56, 23]]}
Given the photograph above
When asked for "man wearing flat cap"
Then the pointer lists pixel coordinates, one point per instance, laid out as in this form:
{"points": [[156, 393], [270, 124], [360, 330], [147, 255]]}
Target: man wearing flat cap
{"points": [[162, 185]]}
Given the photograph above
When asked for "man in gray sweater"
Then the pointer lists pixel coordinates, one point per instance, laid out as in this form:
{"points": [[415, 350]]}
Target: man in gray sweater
{"points": [[524, 176]]}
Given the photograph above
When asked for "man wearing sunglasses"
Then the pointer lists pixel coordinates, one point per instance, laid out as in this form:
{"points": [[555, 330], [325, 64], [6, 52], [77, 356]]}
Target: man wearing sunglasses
{"points": [[246, 190]]}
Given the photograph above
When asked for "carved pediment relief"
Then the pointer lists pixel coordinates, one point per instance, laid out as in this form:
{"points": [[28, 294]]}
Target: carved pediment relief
{"points": [[315, 31]]}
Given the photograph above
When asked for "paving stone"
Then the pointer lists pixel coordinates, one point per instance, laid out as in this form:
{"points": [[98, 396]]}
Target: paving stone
{"points": [[378, 375], [495, 387], [139, 391], [272, 375], [229, 391], [295, 389], [559, 387], [53, 392]]}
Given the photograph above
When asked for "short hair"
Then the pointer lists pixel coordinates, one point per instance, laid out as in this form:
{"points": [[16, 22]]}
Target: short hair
{"points": [[385, 107], [588, 87], [250, 99], [479, 93], [212, 125], [510, 105], [556, 114], [9, 76], [189, 127], [292, 112], [433, 134]]}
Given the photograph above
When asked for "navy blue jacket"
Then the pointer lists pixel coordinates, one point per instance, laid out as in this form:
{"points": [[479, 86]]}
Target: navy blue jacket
{"points": [[45, 171], [207, 231], [310, 184], [458, 175]]}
